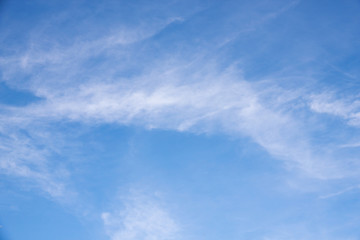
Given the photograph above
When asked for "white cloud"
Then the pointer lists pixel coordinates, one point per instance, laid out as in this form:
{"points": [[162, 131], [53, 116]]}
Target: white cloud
{"points": [[142, 217], [191, 98], [350, 145], [348, 109], [339, 192], [25, 153], [207, 100]]}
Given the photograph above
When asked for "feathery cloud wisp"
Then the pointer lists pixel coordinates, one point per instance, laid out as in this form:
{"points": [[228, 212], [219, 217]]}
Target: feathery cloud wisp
{"points": [[141, 218]]}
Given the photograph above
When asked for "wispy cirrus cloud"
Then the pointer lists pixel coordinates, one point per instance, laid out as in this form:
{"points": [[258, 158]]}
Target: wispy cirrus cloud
{"points": [[197, 97], [345, 108], [210, 100], [141, 217], [25, 155]]}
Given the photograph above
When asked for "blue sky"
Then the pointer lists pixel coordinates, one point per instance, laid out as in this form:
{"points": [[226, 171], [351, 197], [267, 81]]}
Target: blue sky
{"points": [[180, 120]]}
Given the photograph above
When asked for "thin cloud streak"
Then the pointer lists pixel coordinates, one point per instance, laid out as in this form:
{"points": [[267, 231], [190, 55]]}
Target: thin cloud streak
{"points": [[20, 157], [142, 217], [348, 109]]}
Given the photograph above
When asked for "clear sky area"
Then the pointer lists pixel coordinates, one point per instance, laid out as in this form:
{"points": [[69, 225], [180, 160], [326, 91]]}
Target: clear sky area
{"points": [[180, 120]]}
